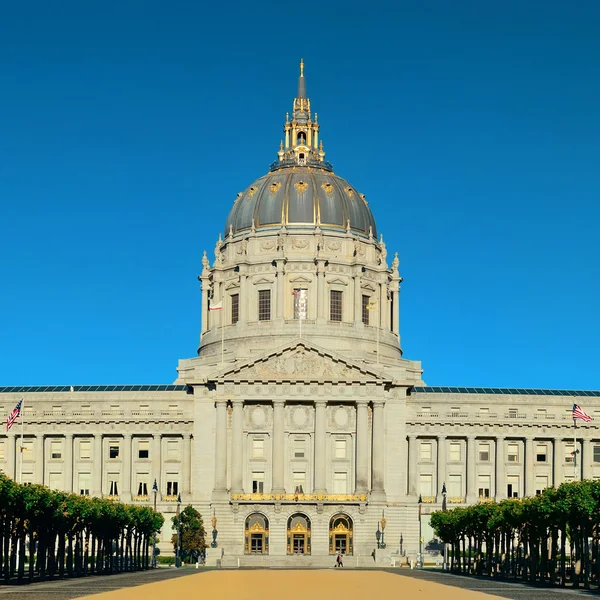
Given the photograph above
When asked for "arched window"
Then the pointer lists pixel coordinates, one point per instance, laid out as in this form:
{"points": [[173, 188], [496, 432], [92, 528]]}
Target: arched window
{"points": [[256, 534], [298, 534], [341, 534]]}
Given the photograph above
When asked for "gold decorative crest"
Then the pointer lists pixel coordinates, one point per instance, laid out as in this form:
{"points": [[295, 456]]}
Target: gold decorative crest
{"points": [[301, 186], [274, 187], [328, 187]]}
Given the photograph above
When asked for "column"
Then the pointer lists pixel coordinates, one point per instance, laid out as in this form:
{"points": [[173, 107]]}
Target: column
{"points": [[320, 446], [362, 446], [221, 447], [321, 298], [236, 446], [244, 297], [528, 464], [412, 465], [587, 458], [471, 470], [97, 466], [441, 464], [69, 462], [279, 299], [185, 483], [378, 449], [11, 454], [39, 450], [357, 300], [500, 487], [156, 462], [126, 472], [277, 450], [557, 469]]}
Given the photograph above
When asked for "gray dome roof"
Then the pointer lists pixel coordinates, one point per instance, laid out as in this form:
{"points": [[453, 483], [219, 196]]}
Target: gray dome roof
{"points": [[301, 197]]}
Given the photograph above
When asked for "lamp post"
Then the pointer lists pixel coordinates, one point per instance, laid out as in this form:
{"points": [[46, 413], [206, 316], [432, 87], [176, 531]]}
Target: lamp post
{"points": [[383, 522], [444, 492], [155, 491], [178, 551], [401, 542], [213, 544], [420, 555]]}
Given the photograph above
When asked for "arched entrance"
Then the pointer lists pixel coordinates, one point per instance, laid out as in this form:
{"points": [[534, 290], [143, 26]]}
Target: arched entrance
{"points": [[298, 534], [256, 534], [341, 535]]}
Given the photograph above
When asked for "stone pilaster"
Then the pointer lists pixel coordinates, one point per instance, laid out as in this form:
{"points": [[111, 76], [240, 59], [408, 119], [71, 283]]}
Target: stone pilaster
{"points": [[587, 457], [557, 468], [320, 446], [11, 454], [500, 488], [126, 466], [68, 462], [441, 464], [529, 467], [378, 492], [156, 462], [471, 469], [221, 447], [41, 454], [97, 465], [186, 461], [362, 447], [412, 465], [236, 446]]}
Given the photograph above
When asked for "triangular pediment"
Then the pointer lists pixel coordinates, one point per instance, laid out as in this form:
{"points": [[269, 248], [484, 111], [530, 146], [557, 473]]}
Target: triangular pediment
{"points": [[300, 279], [301, 361], [337, 282], [263, 280]]}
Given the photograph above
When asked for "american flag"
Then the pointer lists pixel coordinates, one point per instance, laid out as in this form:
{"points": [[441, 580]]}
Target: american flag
{"points": [[579, 414], [296, 292], [14, 415]]}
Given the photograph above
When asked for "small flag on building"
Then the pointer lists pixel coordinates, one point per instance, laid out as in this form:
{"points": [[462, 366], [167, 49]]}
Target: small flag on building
{"points": [[580, 414], [218, 306], [296, 292], [14, 415]]}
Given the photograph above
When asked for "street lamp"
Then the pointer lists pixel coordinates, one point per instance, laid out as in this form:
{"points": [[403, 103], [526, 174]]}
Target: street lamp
{"points": [[378, 536], [383, 522], [155, 491], [420, 555], [178, 551], [444, 492]]}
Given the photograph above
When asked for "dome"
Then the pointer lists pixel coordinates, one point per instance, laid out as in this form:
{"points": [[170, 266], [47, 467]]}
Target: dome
{"points": [[301, 198]]}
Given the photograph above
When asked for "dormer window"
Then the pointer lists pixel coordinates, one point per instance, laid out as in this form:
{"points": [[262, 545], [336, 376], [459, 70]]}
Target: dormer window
{"points": [[301, 159]]}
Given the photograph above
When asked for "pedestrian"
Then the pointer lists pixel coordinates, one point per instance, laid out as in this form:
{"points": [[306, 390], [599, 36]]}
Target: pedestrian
{"points": [[341, 559]]}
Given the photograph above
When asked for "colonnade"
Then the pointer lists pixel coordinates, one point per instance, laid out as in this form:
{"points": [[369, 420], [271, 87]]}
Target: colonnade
{"points": [[363, 443]]}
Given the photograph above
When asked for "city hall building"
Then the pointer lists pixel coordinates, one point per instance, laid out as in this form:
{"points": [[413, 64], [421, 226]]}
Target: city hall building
{"points": [[299, 425]]}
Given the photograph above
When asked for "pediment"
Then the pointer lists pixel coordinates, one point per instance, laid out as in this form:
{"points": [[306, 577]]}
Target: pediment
{"points": [[367, 286], [337, 282], [300, 279], [301, 361], [262, 280], [232, 285]]}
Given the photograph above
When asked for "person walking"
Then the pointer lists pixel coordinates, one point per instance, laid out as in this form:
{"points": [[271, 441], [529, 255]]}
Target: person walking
{"points": [[341, 559]]}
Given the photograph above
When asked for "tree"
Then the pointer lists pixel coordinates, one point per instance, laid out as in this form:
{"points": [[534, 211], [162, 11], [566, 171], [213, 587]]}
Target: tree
{"points": [[193, 540]]}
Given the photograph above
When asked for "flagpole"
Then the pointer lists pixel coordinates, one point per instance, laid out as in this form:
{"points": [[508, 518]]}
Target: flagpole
{"points": [[21, 446], [575, 449]]}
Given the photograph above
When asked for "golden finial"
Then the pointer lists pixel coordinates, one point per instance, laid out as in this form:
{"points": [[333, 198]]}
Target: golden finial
{"points": [[301, 67]]}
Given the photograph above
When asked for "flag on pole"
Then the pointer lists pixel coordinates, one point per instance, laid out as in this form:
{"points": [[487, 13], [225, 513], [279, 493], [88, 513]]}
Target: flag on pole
{"points": [[218, 306], [14, 415], [296, 292], [580, 414]]}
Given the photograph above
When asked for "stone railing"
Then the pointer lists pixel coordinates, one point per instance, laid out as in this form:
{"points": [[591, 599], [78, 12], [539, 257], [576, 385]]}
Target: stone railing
{"points": [[299, 497], [140, 498], [112, 497], [456, 500], [169, 498], [428, 499]]}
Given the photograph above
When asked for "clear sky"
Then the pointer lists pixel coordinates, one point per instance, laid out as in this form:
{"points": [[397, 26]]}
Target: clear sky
{"points": [[127, 128]]}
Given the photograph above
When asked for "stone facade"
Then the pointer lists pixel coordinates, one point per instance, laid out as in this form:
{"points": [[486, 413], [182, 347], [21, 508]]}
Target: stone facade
{"points": [[299, 425]]}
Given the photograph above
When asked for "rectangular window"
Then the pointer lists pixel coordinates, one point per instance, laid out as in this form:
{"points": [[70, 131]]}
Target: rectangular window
{"points": [[55, 481], [85, 483], [455, 451], [541, 483], [484, 485], [569, 453], [142, 488], [541, 454], [335, 305], [1, 450], [258, 482], [597, 454], [258, 448], [300, 304], [172, 488], [235, 308], [299, 481], [484, 453], [340, 483], [55, 449], [426, 452], [264, 305], [172, 449], [340, 448], [143, 448], [512, 486], [454, 486], [299, 448], [426, 485], [365, 310], [113, 450], [113, 484], [85, 449], [513, 453]]}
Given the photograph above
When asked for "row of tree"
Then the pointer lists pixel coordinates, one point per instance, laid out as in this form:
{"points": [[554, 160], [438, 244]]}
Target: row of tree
{"points": [[47, 534], [550, 538]]}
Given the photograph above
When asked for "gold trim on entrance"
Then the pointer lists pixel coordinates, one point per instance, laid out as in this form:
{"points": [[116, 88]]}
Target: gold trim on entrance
{"points": [[341, 528], [298, 528]]}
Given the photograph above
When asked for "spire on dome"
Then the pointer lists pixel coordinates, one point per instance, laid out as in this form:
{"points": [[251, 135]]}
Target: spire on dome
{"points": [[301, 81]]}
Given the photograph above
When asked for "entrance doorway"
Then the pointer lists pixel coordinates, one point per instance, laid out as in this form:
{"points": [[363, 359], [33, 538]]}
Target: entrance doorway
{"points": [[340, 535], [256, 534], [298, 534]]}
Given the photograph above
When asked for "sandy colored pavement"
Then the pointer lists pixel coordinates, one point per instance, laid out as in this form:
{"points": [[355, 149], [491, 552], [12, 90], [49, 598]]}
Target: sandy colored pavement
{"points": [[275, 585]]}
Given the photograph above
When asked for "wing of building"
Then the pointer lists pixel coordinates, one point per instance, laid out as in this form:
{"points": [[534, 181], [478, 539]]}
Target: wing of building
{"points": [[299, 426]]}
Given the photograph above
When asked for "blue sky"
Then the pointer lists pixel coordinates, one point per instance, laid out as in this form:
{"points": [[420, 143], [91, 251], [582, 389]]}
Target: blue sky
{"points": [[127, 128]]}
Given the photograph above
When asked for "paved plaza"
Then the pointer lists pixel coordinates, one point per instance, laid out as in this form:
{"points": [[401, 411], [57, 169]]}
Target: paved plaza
{"points": [[271, 584]]}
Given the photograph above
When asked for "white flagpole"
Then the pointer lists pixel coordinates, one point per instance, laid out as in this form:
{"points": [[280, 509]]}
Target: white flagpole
{"points": [[575, 449], [21, 446]]}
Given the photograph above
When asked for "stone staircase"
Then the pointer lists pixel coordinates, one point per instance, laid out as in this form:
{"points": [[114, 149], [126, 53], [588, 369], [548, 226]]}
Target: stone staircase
{"points": [[297, 561]]}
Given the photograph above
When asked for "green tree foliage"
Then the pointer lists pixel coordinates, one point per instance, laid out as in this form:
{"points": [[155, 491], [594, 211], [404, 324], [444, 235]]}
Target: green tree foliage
{"points": [[552, 538], [64, 534], [193, 540]]}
